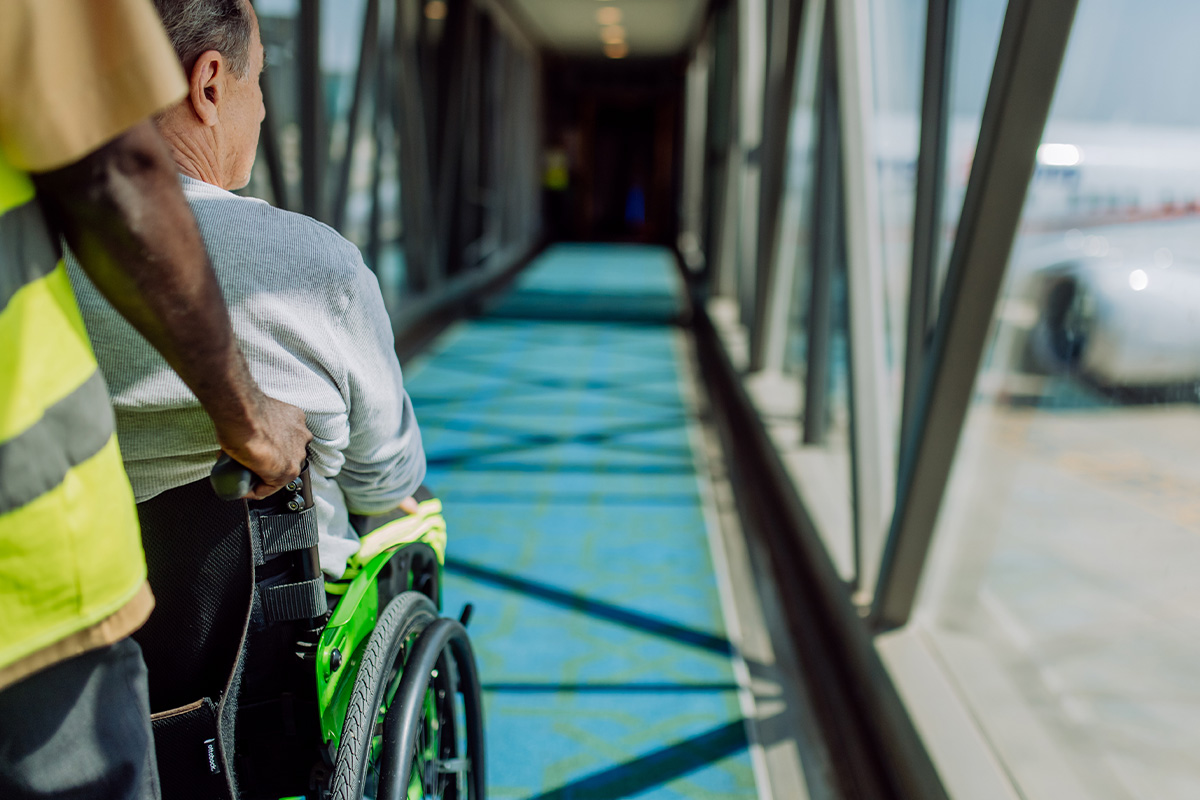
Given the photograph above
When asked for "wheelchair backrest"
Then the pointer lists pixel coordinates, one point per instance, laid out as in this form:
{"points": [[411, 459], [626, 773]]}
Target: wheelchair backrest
{"points": [[239, 592]]}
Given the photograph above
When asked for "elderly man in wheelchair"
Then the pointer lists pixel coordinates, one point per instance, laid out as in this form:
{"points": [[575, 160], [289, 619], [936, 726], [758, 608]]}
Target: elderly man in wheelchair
{"points": [[296, 648]]}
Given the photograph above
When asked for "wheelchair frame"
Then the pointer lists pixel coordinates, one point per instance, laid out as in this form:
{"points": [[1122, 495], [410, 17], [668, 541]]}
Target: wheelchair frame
{"points": [[276, 728]]}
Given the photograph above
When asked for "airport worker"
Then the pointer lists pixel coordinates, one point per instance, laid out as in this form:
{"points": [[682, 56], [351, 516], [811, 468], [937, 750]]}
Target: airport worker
{"points": [[79, 158]]}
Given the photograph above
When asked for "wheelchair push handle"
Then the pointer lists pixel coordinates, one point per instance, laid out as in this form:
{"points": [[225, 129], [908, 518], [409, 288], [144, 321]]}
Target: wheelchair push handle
{"points": [[230, 480], [233, 481]]}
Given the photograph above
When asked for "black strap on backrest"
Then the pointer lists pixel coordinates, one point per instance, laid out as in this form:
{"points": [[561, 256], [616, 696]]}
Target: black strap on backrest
{"points": [[289, 602], [291, 536], [276, 534]]}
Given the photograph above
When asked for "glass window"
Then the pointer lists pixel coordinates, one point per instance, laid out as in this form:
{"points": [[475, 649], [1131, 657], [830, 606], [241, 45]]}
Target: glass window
{"points": [[897, 55], [384, 234], [798, 200], [341, 45], [975, 37], [279, 23], [1062, 595], [818, 351]]}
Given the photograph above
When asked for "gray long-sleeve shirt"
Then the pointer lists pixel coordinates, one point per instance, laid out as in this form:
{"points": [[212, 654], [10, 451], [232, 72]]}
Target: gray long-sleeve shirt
{"points": [[310, 320]]}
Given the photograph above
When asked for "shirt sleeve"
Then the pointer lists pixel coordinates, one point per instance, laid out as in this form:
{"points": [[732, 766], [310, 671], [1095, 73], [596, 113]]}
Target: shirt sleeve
{"points": [[76, 73], [385, 461]]}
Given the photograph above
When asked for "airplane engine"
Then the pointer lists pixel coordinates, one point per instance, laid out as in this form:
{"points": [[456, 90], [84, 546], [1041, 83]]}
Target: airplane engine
{"points": [[1119, 324]]}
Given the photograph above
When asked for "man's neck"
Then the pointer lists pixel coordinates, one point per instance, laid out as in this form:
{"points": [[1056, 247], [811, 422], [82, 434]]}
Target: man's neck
{"points": [[194, 152]]}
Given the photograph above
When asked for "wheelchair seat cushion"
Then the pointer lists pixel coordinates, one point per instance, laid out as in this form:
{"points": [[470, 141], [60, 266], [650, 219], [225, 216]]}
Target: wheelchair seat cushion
{"points": [[426, 525]]}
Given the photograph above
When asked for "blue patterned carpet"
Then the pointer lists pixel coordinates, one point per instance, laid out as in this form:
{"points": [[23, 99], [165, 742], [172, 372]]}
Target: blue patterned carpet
{"points": [[559, 443]]}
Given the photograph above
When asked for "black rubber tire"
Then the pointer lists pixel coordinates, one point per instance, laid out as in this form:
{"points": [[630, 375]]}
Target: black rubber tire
{"points": [[406, 615], [445, 696], [464, 676], [440, 667]]}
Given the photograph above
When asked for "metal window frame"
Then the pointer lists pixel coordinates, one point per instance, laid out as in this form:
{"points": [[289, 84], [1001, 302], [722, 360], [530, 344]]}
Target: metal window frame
{"points": [[438, 211], [313, 141], [368, 54], [929, 200], [695, 148], [462, 40], [780, 94], [722, 157], [828, 245], [269, 142], [785, 254], [752, 76], [1033, 42], [871, 400], [421, 250], [387, 133]]}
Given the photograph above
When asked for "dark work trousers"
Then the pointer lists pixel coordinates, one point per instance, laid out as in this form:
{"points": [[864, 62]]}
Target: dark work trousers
{"points": [[80, 729]]}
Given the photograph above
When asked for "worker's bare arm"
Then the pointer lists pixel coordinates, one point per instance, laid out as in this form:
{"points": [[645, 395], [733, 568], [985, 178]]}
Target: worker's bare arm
{"points": [[125, 217]]}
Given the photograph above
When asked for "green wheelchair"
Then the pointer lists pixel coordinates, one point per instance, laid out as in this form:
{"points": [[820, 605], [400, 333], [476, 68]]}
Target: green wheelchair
{"points": [[268, 682]]}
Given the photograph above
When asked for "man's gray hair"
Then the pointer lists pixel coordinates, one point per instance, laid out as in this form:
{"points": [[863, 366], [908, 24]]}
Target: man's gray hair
{"points": [[196, 26]]}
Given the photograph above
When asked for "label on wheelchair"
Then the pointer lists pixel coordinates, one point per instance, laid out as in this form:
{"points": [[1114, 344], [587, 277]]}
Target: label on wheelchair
{"points": [[210, 748]]}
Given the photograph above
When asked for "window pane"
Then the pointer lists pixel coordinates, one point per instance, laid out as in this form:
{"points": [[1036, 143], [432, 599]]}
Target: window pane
{"points": [[818, 352], [341, 43], [801, 166], [381, 161], [975, 38], [279, 24], [1063, 594], [897, 54]]}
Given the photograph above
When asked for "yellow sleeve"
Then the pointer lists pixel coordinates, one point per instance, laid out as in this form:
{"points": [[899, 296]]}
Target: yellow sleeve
{"points": [[76, 73]]}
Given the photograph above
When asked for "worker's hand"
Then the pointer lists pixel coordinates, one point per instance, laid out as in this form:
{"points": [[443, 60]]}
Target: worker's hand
{"points": [[272, 444], [408, 505]]}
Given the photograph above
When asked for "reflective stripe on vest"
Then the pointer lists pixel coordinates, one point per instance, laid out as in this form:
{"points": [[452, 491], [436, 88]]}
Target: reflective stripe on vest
{"points": [[70, 550]]}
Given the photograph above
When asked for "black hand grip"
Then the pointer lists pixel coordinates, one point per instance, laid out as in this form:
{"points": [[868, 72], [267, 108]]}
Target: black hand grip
{"points": [[230, 480]]}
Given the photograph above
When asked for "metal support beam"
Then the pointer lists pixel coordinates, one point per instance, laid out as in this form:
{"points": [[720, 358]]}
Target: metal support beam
{"points": [[471, 209], [787, 250], [1032, 43], [927, 211], [368, 52], [721, 151], [752, 68], [421, 249], [463, 45], [312, 109], [828, 248], [695, 148], [779, 92], [269, 139], [384, 133], [871, 398]]}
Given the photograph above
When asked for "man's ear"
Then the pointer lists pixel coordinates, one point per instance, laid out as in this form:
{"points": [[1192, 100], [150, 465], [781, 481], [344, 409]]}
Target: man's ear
{"points": [[206, 88]]}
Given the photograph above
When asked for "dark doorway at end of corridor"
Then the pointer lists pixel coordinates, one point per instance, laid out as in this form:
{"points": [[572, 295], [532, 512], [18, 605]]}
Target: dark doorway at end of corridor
{"points": [[610, 156]]}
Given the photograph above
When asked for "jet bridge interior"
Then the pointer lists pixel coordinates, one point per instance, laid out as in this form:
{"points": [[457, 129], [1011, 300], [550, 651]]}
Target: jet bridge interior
{"points": [[811, 384]]}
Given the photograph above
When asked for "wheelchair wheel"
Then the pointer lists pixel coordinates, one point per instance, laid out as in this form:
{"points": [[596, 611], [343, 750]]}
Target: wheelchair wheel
{"points": [[356, 765], [424, 756], [410, 681]]}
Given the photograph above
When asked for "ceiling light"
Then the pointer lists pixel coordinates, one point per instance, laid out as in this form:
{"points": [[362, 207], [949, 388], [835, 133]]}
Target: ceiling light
{"points": [[609, 15], [613, 34], [616, 50], [435, 9]]}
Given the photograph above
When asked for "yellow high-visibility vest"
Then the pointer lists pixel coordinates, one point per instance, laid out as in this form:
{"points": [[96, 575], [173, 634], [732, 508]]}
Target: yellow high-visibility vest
{"points": [[70, 549]]}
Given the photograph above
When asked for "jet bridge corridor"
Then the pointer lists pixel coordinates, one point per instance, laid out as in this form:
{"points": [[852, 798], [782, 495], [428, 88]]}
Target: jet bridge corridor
{"points": [[811, 385], [563, 433]]}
